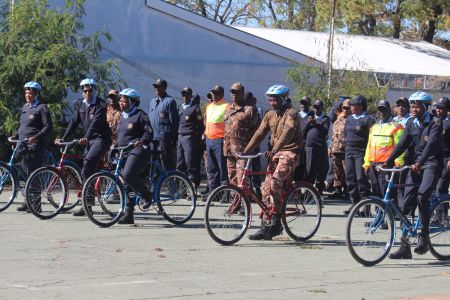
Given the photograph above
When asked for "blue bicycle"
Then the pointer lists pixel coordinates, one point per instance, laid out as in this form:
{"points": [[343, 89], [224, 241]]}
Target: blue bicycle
{"points": [[104, 196], [371, 228]]}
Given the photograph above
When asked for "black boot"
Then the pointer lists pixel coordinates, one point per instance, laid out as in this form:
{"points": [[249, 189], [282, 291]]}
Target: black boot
{"points": [[276, 228], [422, 244], [22, 207], [127, 217], [259, 235], [404, 252], [79, 213], [348, 210], [147, 201]]}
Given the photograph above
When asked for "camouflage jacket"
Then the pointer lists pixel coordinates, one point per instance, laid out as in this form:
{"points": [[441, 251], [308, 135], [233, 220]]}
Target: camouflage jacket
{"points": [[240, 125], [113, 117], [337, 144]]}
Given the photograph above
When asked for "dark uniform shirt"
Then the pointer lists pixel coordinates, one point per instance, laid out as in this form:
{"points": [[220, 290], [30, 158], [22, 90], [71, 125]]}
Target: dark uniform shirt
{"points": [[164, 118], [423, 139], [316, 134], [35, 121], [135, 127], [446, 137], [357, 131], [92, 117], [191, 120]]}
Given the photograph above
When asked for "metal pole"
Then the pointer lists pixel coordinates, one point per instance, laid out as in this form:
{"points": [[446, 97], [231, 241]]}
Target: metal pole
{"points": [[330, 49]]}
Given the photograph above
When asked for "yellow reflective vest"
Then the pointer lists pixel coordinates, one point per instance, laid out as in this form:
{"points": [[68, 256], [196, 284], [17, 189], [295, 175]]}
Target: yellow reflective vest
{"points": [[214, 120]]}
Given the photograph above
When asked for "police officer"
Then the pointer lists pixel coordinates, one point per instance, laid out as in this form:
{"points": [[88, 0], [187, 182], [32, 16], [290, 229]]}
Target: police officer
{"points": [[164, 118], [402, 111], [316, 133], [424, 134], [443, 112], [189, 137], [241, 122], [356, 131], [134, 127], [35, 125], [90, 111]]}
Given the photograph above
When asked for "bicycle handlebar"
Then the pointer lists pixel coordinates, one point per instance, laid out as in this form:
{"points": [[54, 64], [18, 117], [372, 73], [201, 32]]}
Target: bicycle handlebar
{"points": [[124, 147], [11, 141], [66, 143], [249, 156], [394, 169]]}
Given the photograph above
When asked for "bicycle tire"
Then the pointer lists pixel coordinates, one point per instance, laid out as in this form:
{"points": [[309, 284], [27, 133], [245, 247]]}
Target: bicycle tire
{"points": [[103, 199], [9, 185], [439, 237], [227, 214], [72, 172], [175, 197], [302, 212], [361, 228], [40, 188]]}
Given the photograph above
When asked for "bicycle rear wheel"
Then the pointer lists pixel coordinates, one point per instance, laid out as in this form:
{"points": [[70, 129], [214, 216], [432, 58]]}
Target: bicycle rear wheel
{"points": [[440, 231], [74, 184], [370, 232], [227, 215], [46, 192], [103, 199], [175, 197], [302, 212], [9, 186]]}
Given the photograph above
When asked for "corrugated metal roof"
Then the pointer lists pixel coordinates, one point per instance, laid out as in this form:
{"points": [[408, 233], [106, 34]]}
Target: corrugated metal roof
{"points": [[363, 53]]}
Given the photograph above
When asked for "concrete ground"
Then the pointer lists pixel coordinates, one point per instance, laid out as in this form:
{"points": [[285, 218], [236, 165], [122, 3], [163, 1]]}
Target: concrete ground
{"points": [[69, 257]]}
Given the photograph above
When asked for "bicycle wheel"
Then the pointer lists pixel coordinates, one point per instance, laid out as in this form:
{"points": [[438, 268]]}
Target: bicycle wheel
{"points": [[440, 231], [103, 199], [227, 215], [9, 185], [175, 197], [370, 232], [74, 184], [46, 192], [302, 212]]}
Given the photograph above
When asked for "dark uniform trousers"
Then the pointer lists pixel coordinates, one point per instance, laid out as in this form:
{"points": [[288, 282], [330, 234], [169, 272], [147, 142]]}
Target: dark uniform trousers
{"points": [[316, 166], [93, 152], [444, 181], [34, 157], [217, 164], [357, 182], [188, 156], [420, 194], [136, 163], [377, 180], [167, 148]]}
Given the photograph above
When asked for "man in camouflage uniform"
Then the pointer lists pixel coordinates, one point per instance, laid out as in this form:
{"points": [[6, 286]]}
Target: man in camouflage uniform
{"points": [[283, 123], [336, 151], [113, 113], [241, 122]]}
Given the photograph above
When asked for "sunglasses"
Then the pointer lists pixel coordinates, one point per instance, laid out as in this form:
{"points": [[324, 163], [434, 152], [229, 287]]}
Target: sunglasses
{"points": [[345, 107], [184, 93], [234, 91], [401, 105], [87, 91]]}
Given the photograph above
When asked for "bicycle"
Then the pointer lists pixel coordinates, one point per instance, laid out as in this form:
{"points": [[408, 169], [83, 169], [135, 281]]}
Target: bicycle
{"points": [[370, 233], [228, 209], [48, 189], [105, 198]]}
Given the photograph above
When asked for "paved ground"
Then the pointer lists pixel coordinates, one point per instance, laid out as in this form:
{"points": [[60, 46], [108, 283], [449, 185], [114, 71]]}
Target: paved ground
{"points": [[68, 257]]}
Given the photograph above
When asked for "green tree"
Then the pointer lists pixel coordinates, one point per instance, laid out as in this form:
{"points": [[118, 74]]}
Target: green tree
{"points": [[45, 44]]}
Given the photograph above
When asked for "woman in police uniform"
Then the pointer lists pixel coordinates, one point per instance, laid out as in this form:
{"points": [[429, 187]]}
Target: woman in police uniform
{"points": [[36, 126], [134, 127]]}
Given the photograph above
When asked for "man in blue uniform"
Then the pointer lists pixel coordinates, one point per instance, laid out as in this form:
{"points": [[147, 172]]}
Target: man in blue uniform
{"points": [[90, 111], [164, 119], [443, 112], [36, 126]]}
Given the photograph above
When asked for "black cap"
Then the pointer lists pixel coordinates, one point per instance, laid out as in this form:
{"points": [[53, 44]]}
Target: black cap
{"points": [[187, 90], [383, 103], [160, 82], [248, 96], [306, 100], [359, 99], [209, 95], [218, 89], [318, 103], [444, 103], [402, 100]]}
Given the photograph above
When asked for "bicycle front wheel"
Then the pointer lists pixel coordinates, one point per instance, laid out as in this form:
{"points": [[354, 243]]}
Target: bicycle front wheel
{"points": [[46, 192], [74, 184], [227, 215], [302, 212], [440, 231], [370, 232], [175, 197], [9, 186], [103, 199]]}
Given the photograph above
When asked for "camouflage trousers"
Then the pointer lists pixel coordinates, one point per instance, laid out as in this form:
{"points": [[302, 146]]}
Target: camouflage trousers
{"points": [[235, 168], [338, 169], [281, 170]]}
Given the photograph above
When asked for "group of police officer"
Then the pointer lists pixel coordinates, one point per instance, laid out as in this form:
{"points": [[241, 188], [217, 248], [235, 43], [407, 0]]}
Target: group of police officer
{"points": [[298, 144]]}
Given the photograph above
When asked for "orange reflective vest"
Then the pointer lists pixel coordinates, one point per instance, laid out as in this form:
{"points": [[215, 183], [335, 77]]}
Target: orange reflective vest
{"points": [[215, 125]]}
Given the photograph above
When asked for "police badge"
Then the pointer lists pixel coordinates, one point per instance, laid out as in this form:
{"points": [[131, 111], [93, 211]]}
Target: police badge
{"points": [[358, 128], [130, 126]]}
